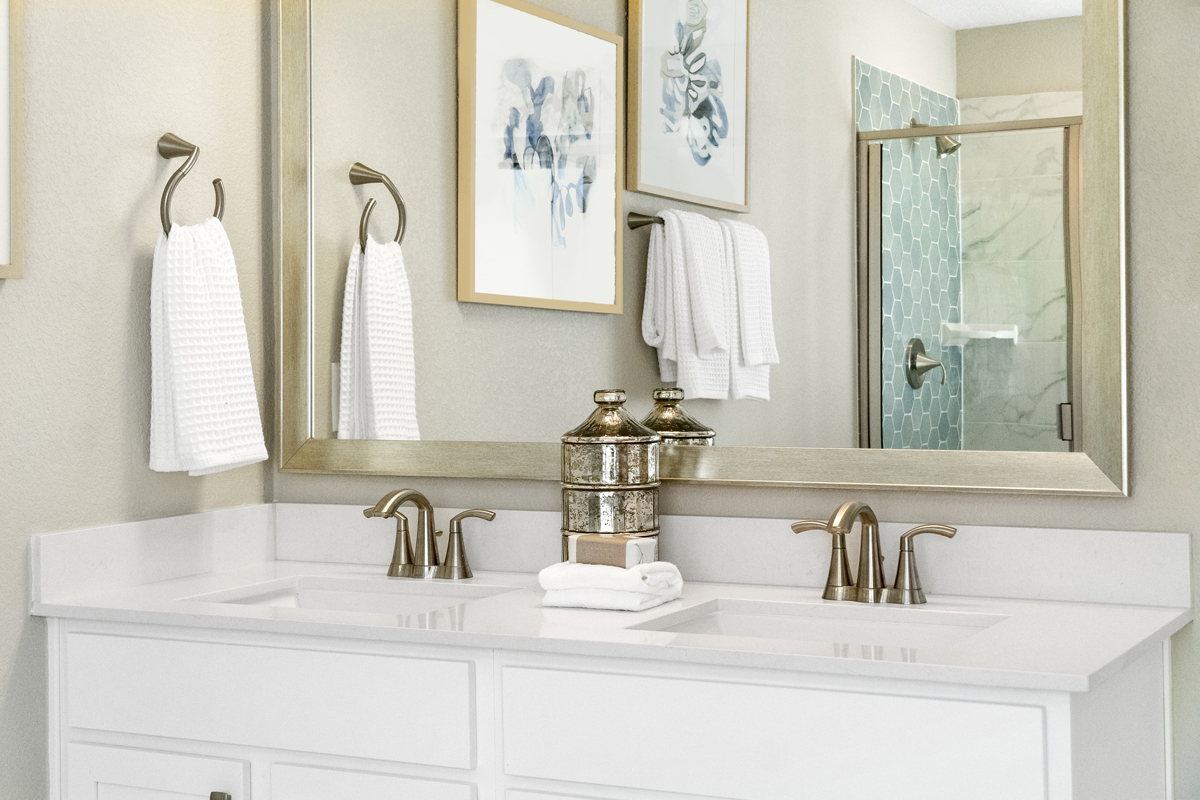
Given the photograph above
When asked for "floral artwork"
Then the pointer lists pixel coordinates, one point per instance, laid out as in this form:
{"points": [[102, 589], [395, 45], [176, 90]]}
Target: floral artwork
{"points": [[688, 100], [549, 142], [542, 120], [691, 94]]}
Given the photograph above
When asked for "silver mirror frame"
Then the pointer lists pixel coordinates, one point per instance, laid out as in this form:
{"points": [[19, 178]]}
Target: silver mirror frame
{"points": [[1099, 467]]}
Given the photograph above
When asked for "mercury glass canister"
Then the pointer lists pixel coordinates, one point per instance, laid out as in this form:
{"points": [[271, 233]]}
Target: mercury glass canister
{"points": [[610, 473], [675, 425]]}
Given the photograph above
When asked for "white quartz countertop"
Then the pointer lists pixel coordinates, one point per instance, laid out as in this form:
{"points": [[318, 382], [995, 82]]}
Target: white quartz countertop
{"points": [[1029, 644]]}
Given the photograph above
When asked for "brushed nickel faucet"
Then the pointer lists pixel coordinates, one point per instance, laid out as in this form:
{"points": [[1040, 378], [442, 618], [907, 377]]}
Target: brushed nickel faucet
{"points": [[423, 560], [870, 585]]}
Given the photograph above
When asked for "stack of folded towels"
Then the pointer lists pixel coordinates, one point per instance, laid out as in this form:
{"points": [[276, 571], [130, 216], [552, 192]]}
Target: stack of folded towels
{"points": [[638, 588]]}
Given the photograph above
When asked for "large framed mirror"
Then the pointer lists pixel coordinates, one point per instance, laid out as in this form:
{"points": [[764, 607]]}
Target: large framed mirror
{"points": [[1027, 317]]}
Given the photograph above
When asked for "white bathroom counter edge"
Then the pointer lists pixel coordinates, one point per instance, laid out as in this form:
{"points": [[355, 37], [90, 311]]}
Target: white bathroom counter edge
{"points": [[1038, 647]]}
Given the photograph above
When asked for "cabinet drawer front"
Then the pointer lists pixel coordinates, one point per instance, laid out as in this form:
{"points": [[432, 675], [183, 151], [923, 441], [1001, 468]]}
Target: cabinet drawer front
{"points": [[289, 782], [96, 772], [371, 706], [746, 741]]}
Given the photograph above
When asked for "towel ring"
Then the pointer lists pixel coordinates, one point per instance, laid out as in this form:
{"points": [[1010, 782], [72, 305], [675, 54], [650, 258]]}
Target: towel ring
{"points": [[171, 146], [361, 174]]}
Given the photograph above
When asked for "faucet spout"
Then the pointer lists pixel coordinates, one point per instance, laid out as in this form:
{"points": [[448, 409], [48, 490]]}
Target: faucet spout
{"points": [[870, 587], [425, 552]]}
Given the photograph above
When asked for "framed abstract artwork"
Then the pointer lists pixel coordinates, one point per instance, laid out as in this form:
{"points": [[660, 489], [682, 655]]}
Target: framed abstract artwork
{"points": [[540, 125], [688, 79]]}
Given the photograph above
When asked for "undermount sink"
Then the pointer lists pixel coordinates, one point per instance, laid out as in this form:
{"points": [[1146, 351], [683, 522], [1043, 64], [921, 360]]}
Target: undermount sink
{"points": [[846, 623], [369, 595]]}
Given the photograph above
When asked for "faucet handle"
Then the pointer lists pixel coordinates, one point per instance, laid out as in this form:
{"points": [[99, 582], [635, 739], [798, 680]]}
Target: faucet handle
{"points": [[480, 513], [839, 585], [402, 557], [907, 589], [455, 567]]}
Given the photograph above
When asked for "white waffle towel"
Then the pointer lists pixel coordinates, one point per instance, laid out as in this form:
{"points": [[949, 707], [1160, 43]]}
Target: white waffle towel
{"points": [[378, 373], [570, 585], [684, 314], [204, 414], [752, 268], [748, 311]]}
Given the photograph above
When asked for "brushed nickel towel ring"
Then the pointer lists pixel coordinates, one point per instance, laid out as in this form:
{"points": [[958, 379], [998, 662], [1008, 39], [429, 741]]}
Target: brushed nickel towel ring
{"points": [[635, 220], [171, 146], [361, 174]]}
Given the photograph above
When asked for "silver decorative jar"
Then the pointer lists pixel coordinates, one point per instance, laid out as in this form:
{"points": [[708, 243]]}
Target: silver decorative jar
{"points": [[675, 425], [610, 473]]}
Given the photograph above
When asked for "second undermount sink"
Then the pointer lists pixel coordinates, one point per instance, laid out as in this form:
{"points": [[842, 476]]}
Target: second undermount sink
{"points": [[842, 623], [369, 595]]}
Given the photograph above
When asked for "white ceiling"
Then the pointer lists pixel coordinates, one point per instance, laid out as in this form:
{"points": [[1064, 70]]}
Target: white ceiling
{"points": [[959, 14]]}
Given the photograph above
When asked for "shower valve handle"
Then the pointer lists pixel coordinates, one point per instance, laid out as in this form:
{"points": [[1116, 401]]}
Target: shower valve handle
{"points": [[916, 363]]}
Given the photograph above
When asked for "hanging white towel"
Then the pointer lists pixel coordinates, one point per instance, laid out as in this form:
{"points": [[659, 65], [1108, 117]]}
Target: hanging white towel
{"points": [[378, 373], [752, 269], [684, 313], [749, 343], [204, 414]]}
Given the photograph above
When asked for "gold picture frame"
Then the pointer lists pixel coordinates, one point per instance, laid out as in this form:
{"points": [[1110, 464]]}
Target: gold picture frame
{"points": [[467, 185], [637, 148]]}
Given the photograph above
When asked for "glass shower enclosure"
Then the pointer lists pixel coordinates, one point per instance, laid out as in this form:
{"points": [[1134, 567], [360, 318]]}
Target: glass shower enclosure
{"points": [[968, 265]]}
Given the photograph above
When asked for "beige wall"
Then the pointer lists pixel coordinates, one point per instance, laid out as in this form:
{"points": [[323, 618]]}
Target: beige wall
{"points": [[383, 88], [103, 81], [1029, 57]]}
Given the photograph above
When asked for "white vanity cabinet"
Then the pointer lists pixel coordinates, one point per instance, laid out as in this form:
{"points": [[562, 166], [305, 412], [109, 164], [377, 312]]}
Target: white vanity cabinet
{"points": [[146, 712]]}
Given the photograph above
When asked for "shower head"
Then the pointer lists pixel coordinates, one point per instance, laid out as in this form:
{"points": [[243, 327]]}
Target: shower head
{"points": [[945, 144]]}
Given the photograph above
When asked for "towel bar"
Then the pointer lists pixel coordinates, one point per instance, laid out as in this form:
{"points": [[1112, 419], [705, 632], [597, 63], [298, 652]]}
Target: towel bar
{"points": [[361, 174], [635, 220], [171, 146]]}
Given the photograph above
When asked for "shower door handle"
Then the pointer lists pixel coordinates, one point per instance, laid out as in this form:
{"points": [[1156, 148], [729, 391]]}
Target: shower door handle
{"points": [[916, 363]]}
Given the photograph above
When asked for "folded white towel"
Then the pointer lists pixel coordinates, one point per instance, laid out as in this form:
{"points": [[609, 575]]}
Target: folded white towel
{"points": [[644, 578], [746, 381], [378, 373], [609, 599], [204, 414], [684, 313]]}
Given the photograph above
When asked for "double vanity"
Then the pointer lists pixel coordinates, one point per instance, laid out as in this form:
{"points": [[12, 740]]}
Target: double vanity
{"points": [[263, 653]]}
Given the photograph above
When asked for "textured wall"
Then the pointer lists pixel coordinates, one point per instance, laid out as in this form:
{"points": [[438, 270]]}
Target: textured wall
{"points": [[102, 82], [1164, 291], [1043, 56], [920, 251], [384, 83]]}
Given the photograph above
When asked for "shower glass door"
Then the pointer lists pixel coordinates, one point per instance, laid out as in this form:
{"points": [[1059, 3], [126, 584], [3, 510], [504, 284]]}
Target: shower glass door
{"points": [[968, 262]]}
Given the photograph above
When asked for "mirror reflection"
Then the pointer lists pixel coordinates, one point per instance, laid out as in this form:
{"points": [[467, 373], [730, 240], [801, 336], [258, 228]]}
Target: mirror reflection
{"points": [[958, 243]]}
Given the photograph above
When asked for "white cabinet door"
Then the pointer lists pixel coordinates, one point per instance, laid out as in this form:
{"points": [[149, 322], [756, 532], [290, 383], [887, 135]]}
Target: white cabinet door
{"points": [[96, 772], [743, 741]]}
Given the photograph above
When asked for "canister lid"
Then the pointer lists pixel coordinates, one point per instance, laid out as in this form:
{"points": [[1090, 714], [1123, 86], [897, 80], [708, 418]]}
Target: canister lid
{"points": [[671, 421], [610, 423]]}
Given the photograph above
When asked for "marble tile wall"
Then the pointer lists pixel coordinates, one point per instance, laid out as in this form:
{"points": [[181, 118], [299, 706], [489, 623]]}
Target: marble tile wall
{"points": [[921, 249], [1013, 273]]}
